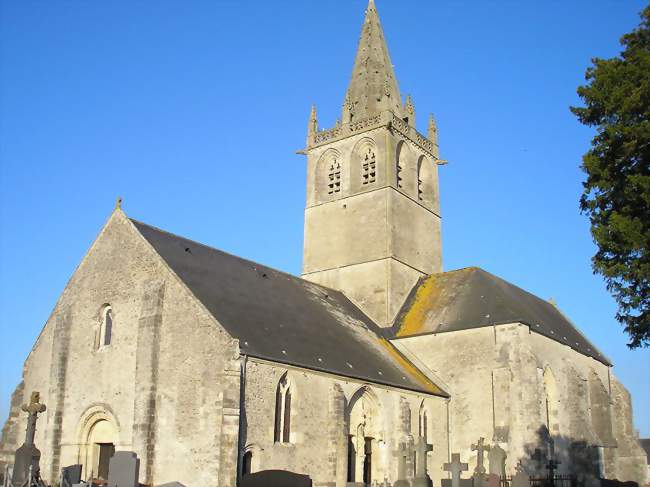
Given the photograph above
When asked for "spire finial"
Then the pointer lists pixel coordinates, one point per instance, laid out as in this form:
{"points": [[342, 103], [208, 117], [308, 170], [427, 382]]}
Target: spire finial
{"points": [[410, 111], [118, 203], [312, 126], [433, 136], [433, 129]]}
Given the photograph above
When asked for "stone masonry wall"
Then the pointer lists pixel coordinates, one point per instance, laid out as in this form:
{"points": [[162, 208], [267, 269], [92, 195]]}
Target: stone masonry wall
{"points": [[159, 384], [320, 415], [500, 381]]}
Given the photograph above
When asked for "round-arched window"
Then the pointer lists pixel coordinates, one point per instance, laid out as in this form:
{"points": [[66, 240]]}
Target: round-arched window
{"points": [[105, 326]]}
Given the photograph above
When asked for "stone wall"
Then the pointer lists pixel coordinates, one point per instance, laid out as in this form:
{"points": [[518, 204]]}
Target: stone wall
{"points": [[514, 387], [372, 241], [322, 413], [161, 388]]}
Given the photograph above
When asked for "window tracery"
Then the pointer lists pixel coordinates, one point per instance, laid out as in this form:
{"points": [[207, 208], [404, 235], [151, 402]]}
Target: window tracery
{"points": [[369, 169], [334, 176]]}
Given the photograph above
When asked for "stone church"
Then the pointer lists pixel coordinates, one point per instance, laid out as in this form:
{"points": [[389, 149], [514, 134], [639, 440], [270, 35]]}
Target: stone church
{"points": [[373, 366]]}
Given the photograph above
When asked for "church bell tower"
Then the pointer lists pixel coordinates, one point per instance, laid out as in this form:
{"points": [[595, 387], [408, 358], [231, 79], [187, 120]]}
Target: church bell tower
{"points": [[372, 219]]}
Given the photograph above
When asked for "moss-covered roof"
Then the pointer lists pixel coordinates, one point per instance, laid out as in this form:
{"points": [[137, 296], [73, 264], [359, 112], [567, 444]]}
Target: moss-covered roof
{"points": [[473, 298]]}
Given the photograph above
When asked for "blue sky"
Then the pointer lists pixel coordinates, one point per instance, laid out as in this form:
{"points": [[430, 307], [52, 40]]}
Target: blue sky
{"points": [[192, 111]]}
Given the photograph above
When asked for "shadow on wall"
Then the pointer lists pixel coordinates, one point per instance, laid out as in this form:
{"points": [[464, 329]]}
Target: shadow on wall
{"points": [[563, 456]]}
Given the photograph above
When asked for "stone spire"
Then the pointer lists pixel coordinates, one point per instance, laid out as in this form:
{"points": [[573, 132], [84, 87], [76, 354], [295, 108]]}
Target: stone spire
{"points": [[373, 87]]}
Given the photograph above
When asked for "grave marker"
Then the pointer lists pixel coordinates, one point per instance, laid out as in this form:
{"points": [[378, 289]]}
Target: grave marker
{"points": [[26, 461], [124, 469]]}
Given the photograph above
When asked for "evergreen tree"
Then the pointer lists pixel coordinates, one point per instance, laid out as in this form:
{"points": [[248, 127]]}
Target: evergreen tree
{"points": [[616, 193]]}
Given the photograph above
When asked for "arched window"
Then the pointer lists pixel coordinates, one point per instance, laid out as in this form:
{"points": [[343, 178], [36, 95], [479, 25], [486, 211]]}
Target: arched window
{"points": [[105, 327], [423, 428], [399, 165], [427, 186], [282, 431], [369, 166], [334, 176], [551, 404], [247, 462]]}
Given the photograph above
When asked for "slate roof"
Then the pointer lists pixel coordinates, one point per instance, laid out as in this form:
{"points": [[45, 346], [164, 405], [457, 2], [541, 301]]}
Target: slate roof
{"points": [[282, 318], [473, 298]]}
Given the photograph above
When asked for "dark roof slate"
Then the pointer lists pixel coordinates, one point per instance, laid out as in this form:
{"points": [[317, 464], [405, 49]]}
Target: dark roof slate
{"points": [[473, 298], [286, 319]]}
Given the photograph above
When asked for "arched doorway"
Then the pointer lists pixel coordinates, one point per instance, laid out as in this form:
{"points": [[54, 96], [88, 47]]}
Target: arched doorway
{"points": [[363, 435], [98, 435]]}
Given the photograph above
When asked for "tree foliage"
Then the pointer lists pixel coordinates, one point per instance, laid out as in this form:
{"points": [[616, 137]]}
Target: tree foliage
{"points": [[616, 194]]}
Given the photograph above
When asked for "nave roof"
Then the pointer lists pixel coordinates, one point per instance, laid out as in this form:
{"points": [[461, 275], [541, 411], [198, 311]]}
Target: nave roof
{"points": [[286, 319]]}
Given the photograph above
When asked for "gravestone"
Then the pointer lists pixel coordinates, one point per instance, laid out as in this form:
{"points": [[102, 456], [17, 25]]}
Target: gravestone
{"points": [[480, 448], [521, 478], [402, 452], [497, 461], [456, 468], [70, 475], [275, 478], [421, 478], [493, 480], [124, 469], [26, 461]]}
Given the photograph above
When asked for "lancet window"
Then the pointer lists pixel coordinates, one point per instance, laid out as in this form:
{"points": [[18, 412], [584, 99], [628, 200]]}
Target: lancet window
{"points": [[282, 411], [369, 169], [423, 425]]}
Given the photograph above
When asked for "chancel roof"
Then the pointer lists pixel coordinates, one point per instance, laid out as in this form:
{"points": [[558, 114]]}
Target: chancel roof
{"points": [[473, 298], [286, 319]]}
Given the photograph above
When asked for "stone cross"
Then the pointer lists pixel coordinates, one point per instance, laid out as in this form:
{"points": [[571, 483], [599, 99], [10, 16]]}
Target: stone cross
{"points": [[552, 464], [421, 449], [401, 454], [480, 448], [456, 468], [33, 409], [26, 461]]}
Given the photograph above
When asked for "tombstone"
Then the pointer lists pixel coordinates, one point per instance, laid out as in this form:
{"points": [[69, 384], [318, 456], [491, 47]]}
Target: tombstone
{"points": [[26, 461], [70, 475], [456, 468], [480, 448], [402, 452], [124, 469], [493, 480], [497, 461], [421, 477], [521, 478], [275, 478], [539, 458]]}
